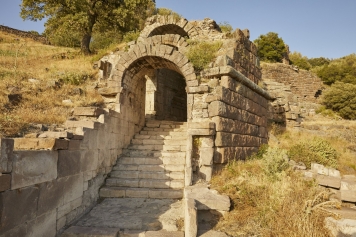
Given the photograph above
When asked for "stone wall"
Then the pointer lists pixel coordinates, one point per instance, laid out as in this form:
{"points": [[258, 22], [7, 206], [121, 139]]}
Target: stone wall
{"points": [[24, 34], [303, 84], [296, 92], [50, 180]]}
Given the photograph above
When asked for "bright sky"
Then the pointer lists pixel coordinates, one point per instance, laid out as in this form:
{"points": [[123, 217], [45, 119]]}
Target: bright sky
{"points": [[315, 28]]}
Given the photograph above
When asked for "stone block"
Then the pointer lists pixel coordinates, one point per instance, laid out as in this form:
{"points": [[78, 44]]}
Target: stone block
{"points": [[74, 145], [328, 181], [56, 135], [201, 132], [165, 193], [73, 188], [342, 227], [88, 111], [89, 160], [319, 169], [109, 91], [5, 182], [33, 167], [69, 163], [201, 125], [6, 149], [348, 195], [40, 144], [207, 199], [206, 155], [345, 185], [17, 207], [44, 225], [206, 172], [190, 218], [82, 124], [50, 196]]}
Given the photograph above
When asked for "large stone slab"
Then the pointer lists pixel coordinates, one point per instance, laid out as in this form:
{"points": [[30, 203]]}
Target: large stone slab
{"points": [[68, 163], [328, 181], [88, 111], [17, 207], [342, 227], [44, 225], [33, 167], [5, 182], [207, 199]]}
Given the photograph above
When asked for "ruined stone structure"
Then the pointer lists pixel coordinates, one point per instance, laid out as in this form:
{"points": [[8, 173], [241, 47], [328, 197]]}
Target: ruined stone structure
{"points": [[24, 34], [215, 115], [296, 91]]}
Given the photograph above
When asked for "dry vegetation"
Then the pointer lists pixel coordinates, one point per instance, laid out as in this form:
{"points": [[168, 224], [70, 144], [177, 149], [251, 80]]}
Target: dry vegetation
{"points": [[271, 199], [59, 74]]}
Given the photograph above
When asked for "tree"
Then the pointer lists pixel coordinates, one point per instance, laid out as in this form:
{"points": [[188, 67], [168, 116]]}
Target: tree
{"points": [[83, 16], [299, 60], [341, 97], [271, 48]]}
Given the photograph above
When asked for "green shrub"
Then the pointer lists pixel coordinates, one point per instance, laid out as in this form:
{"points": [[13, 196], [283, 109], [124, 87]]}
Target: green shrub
{"points": [[201, 53], [299, 60], [326, 112], [131, 36], [168, 12], [341, 98], [74, 78], [225, 27], [275, 161], [260, 153], [316, 150]]}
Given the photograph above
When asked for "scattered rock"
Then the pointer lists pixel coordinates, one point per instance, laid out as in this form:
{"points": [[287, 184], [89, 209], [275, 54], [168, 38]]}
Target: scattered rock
{"points": [[67, 102], [342, 227]]}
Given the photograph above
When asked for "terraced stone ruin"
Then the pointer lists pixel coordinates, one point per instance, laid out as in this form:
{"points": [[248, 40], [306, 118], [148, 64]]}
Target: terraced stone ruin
{"points": [[141, 165]]}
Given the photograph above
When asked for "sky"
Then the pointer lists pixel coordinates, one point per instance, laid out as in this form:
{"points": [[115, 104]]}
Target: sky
{"points": [[315, 28]]}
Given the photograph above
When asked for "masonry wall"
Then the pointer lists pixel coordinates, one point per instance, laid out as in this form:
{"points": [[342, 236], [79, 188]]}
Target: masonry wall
{"points": [[237, 110], [171, 97], [49, 181], [303, 84]]}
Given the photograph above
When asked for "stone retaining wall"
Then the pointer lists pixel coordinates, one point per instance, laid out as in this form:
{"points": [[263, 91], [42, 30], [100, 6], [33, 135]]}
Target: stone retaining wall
{"points": [[24, 34], [48, 181]]}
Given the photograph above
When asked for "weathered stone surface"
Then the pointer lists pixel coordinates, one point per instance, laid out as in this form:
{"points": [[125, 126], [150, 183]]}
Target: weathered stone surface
{"points": [[190, 218], [73, 187], [44, 225], [211, 233], [56, 135], [40, 144], [80, 231], [328, 181], [33, 167], [342, 227], [6, 149], [69, 163], [88, 111], [17, 207], [5, 182], [164, 233], [207, 199], [348, 195], [50, 196]]}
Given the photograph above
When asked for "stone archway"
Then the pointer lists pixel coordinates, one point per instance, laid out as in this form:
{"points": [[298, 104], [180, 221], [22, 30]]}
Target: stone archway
{"points": [[161, 25], [141, 74]]}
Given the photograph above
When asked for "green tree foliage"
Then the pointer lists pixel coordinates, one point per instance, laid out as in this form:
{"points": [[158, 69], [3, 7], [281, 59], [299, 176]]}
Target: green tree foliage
{"points": [[271, 48], [341, 97], [317, 62], [82, 17], [342, 70], [299, 60], [201, 53]]}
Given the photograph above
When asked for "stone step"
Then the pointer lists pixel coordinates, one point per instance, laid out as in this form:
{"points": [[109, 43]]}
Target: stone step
{"points": [[156, 133], [163, 129], [138, 141], [158, 147], [157, 123], [151, 168], [159, 137], [131, 174], [122, 192], [81, 231], [151, 160], [145, 183], [148, 153]]}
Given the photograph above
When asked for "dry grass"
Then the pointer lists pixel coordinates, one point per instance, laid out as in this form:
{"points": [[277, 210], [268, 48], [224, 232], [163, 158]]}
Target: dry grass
{"points": [[287, 206], [41, 100]]}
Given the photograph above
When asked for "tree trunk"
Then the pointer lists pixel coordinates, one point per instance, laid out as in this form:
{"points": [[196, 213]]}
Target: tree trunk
{"points": [[85, 43]]}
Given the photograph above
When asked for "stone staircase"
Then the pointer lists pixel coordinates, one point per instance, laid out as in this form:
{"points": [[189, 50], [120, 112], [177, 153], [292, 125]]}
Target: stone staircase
{"points": [[153, 164]]}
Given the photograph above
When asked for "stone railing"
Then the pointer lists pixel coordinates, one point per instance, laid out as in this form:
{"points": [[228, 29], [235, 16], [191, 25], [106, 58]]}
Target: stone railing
{"points": [[49, 180]]}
